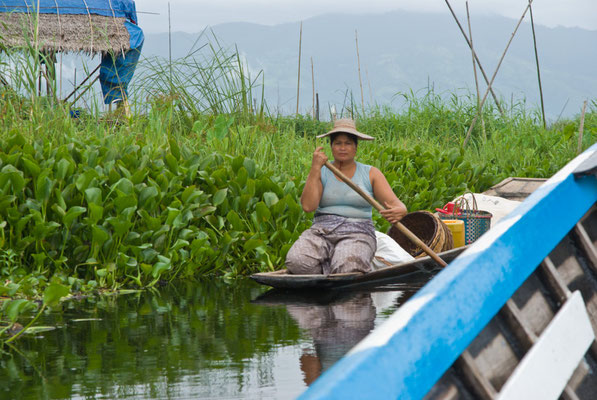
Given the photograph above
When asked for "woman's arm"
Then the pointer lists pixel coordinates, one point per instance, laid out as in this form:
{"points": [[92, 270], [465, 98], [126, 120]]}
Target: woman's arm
{"points": [[383, 193], [313, 187]]}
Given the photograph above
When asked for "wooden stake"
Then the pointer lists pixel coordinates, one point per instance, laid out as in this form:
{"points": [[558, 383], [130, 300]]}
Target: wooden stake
{"points": [[317, 106], [497, 103], [537, 61], [82, 83], [470, 35], [298, 84], [582, 126], [313, 86], [468, 134], [87, 88], [356, 37]]}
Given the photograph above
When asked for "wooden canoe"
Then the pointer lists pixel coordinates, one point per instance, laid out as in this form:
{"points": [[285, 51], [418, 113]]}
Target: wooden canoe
{"points": [[418, 269], [511, 188]]}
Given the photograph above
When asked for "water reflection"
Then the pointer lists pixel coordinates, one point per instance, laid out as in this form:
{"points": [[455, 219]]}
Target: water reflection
{"points": [[198, 340], [335, 320], [201, 340]]}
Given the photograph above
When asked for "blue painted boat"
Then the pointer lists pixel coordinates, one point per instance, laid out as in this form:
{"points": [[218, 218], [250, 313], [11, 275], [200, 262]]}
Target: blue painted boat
{"points": [[513, 317]]}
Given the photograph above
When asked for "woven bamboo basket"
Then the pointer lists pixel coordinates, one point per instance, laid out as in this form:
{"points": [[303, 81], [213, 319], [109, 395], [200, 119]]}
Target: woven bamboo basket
{"points": [[427, 227]]}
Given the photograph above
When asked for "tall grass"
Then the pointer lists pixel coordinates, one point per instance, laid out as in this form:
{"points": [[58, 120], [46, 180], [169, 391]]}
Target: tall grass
{"points": [[210, 79]]}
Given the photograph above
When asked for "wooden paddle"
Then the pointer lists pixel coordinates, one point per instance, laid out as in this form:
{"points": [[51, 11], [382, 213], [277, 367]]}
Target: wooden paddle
{"points": [[379, 207]]}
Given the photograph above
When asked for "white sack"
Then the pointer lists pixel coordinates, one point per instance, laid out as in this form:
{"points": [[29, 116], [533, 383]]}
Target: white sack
{"points": [[390, 251]]}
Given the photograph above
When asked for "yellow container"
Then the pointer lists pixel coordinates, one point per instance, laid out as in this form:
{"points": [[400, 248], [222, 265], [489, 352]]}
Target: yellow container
{"points": [[456, 226]]}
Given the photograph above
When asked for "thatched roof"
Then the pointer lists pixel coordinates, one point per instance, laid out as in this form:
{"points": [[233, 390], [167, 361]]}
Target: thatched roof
{"points": [[88, 33]]}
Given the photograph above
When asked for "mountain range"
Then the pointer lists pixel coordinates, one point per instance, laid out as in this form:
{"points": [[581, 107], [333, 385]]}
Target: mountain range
{"points": [[406, 52]]}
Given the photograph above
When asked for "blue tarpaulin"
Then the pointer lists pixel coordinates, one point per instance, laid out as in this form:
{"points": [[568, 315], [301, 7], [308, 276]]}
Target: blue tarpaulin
{"points": [[116, 69], [116, 72]]}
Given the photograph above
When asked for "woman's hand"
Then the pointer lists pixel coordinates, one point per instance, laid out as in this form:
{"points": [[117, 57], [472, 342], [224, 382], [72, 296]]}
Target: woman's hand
{"points": [[313, 186], [395, 209], [319, 158], [393, 213]]}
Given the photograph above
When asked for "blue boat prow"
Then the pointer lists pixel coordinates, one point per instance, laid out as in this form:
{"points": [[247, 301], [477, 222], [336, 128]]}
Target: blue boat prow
{"points": [[412, 355]]}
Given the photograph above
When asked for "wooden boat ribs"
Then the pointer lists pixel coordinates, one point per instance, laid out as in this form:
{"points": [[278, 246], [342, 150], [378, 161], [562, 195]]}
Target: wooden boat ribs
{"points": [[490, 360]]}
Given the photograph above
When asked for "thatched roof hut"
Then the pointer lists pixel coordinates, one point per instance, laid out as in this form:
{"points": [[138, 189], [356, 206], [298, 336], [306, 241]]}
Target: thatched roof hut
{"points": [[90, 26], [108, 27], [64, 33]]}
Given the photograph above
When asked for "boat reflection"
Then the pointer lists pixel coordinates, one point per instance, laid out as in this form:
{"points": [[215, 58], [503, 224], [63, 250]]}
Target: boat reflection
{"points": [[335, 320]]}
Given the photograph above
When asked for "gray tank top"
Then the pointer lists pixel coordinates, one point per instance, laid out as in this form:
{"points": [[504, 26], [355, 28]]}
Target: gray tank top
{"points": [[339, 199]]}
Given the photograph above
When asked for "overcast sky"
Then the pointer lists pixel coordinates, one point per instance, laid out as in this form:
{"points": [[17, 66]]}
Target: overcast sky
{"points": [[194, 15]]}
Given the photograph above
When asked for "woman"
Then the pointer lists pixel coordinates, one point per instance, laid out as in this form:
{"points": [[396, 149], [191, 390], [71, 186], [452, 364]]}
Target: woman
{"points": [[342, 237]]}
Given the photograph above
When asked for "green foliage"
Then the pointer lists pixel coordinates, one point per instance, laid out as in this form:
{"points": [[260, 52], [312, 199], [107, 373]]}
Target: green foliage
{"points": [[141, 214], [14, 308], [426, 179], [54, 293]]}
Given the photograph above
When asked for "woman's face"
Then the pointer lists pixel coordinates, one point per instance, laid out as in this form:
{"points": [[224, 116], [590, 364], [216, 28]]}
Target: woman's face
{"points": [[344, 148]]}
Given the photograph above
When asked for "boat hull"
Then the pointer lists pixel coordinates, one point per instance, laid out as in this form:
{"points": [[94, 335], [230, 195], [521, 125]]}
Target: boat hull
{"points": [[418, 269]]}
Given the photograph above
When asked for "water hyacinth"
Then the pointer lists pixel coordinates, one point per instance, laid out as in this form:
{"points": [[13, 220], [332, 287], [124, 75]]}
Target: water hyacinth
{"points": [[143, 213]]}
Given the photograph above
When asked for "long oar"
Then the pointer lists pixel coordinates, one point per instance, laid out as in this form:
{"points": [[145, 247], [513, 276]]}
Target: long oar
{"points": [[379, 207]]}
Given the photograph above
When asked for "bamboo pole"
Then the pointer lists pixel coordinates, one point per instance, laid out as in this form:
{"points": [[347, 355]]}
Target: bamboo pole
{"points": [[82, 83], [470, 35], [356, 37], [313, 86], [298, 84], [582, 126], [562, 110], [468, 134], [86, 89], [537, 61], [497, 103]]}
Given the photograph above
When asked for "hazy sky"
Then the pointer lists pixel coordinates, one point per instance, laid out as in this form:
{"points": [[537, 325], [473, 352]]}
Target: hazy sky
{"points": [[193, 15]]}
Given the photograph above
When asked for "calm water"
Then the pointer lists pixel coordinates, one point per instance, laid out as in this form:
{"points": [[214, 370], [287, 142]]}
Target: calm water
{"points": [[207, 340]]}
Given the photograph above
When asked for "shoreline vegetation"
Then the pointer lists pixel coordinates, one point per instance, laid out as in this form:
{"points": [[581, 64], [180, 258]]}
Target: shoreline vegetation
{"points": [[201, 179]]}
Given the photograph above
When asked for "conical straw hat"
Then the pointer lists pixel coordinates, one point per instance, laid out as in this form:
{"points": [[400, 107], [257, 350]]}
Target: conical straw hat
{"points": [[346, 125]]}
